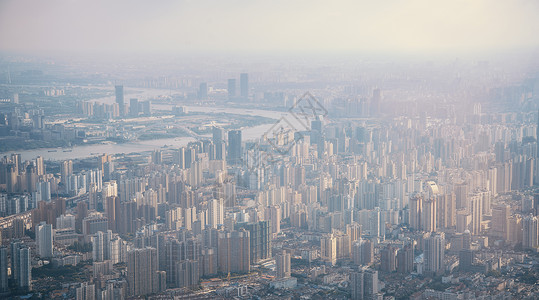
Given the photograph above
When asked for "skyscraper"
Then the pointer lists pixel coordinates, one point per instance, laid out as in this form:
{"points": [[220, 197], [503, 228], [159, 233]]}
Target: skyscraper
{"points": [[203, 91], [86, 291], [101, 245], [363, 252], [328, 248], [428, 215], [356, 285], [234, 147], [120, 99], [244, 85], [142, 276], [134, 107], [364, 284], [476, 211], [216, 212], [21, 265], [44, 238], [388, 259], [218, 139], [405, 259], [434, 253], [3, 270], [530, 228], [260, 239], [231, 89], [416, 207], [282, 262], [234, 251]]}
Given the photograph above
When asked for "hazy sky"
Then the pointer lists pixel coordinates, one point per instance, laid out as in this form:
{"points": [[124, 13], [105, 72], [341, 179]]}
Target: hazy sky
{"points": [[391, 26]]}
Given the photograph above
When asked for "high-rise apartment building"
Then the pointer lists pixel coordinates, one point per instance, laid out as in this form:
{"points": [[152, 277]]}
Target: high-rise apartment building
{"points": [[530, 232], [3, 270], [434, 253], [142, 275], [234, 251], [282, 262], [44, 236]]}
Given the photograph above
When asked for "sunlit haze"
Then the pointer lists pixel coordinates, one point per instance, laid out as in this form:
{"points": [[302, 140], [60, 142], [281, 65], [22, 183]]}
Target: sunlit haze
{"points": [[241, 26]]}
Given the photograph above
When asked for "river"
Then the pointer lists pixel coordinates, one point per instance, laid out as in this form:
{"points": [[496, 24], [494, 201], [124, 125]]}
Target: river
{"points": [[248, 133]]}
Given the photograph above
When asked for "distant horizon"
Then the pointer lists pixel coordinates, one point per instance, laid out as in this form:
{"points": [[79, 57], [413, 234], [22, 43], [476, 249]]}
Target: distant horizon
{"points": [[395, 28]]}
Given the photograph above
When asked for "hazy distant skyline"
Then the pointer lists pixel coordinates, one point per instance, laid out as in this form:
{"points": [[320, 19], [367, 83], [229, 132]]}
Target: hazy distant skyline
{"points": [[242, 26]]}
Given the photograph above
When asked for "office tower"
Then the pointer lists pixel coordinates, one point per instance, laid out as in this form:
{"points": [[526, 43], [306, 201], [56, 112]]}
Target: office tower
{"points": [[203, 91], [3, 270], [142, 274], [231, 89], [282, 262], [434, 253], [234, 147], [120, 99], [260, 239], [86, 291], [234, 251], [405, 259], [530, 231], [416, 207], [388, 258], [134, 107], [44, 236], [244, 85]]}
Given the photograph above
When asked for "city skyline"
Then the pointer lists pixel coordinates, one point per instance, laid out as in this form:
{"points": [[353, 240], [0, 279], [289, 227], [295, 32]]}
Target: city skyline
{"points": [[269, 150]]}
